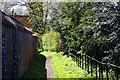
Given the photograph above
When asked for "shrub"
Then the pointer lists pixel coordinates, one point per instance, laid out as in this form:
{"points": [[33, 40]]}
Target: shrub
{"points": [[50, 41], [39, 40]]}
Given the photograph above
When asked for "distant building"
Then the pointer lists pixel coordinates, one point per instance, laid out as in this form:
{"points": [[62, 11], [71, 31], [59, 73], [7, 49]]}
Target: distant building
{"points": [[24, 19], [21, 13]]}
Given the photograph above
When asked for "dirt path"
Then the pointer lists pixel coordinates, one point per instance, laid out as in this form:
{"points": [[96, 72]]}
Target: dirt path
{"points": [[48, 67]]}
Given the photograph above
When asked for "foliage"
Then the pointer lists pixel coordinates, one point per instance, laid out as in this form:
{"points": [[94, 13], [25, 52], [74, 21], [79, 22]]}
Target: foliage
{"points": [[65, 67], [72, 23], [50, 41], [36, 15], [39, 40], [92, 28]]}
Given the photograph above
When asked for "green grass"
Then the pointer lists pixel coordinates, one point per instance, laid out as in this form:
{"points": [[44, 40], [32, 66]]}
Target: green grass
{"points": [[37, 68], [65, 67], [62, 66]]}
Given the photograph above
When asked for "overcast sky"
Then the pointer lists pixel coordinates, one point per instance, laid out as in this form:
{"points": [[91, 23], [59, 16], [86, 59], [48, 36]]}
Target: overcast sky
{"points": [[21, 8], [18, 6], [22, 1]]}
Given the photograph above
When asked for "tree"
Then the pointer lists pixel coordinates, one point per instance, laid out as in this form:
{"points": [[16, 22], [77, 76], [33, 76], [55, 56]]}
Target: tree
{"points": [[92, 28], [36, 12]]}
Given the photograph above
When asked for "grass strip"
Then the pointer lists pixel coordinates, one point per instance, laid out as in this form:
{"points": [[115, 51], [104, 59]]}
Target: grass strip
{"points": [[65, 67]]}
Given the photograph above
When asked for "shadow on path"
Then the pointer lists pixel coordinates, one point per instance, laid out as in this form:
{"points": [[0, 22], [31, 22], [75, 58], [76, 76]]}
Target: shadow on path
{"points": [[37, 68]]}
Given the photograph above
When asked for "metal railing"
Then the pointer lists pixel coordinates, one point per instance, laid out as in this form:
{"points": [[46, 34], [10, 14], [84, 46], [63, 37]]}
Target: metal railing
{"points": [[97, 69]]}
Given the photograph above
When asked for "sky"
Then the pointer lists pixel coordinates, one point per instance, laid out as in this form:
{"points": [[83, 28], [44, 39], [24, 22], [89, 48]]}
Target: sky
{"points": [[22, 1], [19, 7]]}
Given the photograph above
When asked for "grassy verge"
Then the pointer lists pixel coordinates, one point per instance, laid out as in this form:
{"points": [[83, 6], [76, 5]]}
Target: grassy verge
{"points": [[37, 68], [62, 66], [65, 67]]}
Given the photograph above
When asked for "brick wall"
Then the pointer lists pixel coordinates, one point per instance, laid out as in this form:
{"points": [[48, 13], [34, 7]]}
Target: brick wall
{"points": [[20, 45]]}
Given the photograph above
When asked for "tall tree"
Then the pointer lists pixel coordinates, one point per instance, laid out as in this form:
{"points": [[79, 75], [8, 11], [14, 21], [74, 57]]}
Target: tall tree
{"points": [[36, 12]]}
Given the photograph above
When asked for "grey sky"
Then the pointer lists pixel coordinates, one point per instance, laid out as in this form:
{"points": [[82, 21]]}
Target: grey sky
{"points": [[18, 6], [22, 1], [21, 8]]}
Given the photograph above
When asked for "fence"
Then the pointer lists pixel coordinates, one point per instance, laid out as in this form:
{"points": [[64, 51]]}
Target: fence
{"points": [[97, 69], [18, 47]]}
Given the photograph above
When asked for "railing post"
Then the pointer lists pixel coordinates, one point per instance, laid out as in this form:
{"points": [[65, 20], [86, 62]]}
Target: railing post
{"points": [[88, 64], [117, 73], [85, 61], [99, 71], [74, 58], [91, 66], [96, 70], [77, 60], [107, 72], [80, 60]]}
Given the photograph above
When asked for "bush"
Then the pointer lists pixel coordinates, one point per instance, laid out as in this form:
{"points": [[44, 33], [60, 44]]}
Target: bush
{"points": [[39, 41], [50, 41]]}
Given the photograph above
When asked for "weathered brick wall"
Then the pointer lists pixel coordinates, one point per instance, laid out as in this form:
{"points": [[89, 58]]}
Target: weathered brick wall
{"points": [[20, 45]]}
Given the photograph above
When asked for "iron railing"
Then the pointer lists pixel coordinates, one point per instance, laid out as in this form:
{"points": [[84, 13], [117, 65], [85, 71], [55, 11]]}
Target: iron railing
{"points": [[97, 69]]}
